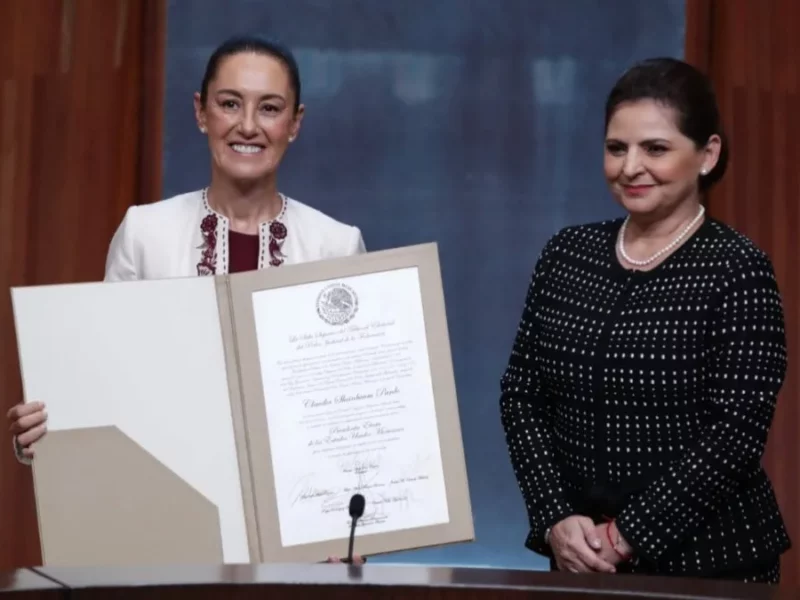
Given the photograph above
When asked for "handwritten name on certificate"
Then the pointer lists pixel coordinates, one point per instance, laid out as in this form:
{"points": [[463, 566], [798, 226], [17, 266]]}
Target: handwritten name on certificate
{"points": [[349, 405]]}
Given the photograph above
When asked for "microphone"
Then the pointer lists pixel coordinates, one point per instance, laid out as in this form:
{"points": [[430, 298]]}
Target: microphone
{"points": [[357, 503]]}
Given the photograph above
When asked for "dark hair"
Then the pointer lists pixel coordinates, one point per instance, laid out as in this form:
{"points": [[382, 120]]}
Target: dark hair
{"points": [[239, 45], [682, 87]]}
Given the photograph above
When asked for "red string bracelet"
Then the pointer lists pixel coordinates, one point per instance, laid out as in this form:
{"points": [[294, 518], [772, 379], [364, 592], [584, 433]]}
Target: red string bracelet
{"points": [[624, 557]]}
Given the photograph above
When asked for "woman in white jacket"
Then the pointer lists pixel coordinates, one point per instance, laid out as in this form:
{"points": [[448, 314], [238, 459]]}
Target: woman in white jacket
{"points": [[249, 108]]}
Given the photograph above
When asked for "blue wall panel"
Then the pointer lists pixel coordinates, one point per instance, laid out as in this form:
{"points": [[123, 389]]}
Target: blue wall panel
{"points": [[474, 123]]}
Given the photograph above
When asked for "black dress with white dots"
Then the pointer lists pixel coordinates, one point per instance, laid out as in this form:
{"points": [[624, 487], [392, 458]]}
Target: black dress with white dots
{"points": [[647, 397]]}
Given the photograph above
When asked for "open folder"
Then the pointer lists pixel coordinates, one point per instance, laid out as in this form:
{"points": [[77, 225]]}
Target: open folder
{"points": [[230, 418]]}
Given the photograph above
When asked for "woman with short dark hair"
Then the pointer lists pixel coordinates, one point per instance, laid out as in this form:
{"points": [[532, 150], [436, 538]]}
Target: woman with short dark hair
{"points": [[644, 374]]}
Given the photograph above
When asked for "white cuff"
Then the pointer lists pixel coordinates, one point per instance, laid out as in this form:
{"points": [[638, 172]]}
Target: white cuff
{"points": [[25, 460]]}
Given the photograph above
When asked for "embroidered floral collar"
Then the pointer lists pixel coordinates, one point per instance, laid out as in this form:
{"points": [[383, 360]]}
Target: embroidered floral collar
{"points": [[272, 236]]}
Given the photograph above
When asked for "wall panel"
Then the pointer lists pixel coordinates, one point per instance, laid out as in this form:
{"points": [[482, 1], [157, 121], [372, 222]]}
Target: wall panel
{"points": [[81, 96], [477, 125], [751, 50]]}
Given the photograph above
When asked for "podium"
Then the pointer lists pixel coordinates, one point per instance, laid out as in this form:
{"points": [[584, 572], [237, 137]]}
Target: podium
{"points": [[373, 582]]}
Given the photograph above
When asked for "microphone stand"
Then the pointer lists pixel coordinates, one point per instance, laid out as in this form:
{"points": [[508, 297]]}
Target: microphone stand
{"points": [[356, 511], [349, 559]]}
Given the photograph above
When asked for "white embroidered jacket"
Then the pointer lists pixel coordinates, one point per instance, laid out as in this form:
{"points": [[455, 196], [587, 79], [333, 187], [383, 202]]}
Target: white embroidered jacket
{"points": [[165, 239]]}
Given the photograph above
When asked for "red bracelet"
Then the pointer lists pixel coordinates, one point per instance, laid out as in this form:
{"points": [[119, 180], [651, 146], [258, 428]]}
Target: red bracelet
{"points": [[624, 557]]}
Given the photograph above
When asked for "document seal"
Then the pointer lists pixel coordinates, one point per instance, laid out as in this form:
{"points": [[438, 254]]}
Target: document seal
{"points": [[337, 304]]}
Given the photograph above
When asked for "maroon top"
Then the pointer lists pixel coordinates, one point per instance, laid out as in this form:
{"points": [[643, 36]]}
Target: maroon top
{"points": [[242, 252]]}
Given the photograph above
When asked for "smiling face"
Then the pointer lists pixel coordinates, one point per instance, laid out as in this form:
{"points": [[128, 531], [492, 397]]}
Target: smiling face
{"points": [[650, 166], [249, 116]]}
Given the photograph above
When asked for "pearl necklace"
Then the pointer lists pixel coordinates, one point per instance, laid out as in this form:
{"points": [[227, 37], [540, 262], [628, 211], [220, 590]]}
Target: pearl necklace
{"points": [[665, 249]]}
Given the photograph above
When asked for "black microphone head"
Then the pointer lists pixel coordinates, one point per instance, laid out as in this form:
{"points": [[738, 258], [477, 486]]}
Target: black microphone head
{"points": [[357, 506]]}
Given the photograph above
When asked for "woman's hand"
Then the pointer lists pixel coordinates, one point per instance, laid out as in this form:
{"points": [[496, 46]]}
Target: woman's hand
{"points": [[29, 423], [576, 546]]}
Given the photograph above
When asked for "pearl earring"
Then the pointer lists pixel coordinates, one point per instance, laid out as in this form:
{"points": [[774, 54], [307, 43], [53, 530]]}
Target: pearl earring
{"points": [[202, 129], [704, 171]]}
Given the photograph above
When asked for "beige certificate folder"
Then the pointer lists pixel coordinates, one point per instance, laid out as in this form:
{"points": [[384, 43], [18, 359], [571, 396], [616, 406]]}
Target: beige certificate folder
{"points": [[181, 412]]}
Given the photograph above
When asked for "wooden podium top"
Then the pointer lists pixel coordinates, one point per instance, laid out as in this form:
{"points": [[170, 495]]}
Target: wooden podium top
{"points": [[374, 582]]}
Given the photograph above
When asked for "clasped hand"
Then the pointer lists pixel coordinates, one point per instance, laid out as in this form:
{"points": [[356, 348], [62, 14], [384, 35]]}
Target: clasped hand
{"points": [[580, 546]]}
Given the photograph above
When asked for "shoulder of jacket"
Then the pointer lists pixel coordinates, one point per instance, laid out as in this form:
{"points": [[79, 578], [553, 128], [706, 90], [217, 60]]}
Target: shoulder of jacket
{"points": [[742, 256], [581, 234], [320, 220], [175, 206], [604, 228], [737, 244]]}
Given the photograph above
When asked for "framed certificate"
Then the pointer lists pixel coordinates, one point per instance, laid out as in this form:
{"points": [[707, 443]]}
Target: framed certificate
{"points": [[233, 417]]}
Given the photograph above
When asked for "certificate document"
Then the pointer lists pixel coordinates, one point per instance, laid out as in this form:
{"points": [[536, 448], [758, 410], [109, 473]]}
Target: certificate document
{"points": [[348, 388], [296, 388], [350, 405]]}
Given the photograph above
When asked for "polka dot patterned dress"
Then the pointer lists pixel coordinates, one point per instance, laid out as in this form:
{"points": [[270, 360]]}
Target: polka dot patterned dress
{"points": [[647, 396]]}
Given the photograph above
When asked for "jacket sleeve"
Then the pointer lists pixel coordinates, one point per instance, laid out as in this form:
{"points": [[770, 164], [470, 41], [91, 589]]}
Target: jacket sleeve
{"points": [[746, 365], [18, 453], [527, 418], [356, 245], [120, 261]]}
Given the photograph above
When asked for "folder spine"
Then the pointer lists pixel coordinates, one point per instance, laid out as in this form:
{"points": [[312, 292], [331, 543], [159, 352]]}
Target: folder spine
{"points": [[238, 414]]}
